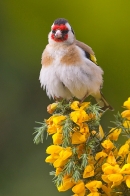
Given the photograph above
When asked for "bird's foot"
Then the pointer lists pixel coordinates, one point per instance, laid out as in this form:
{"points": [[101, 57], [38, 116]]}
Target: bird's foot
{"points": [[58, 99]]}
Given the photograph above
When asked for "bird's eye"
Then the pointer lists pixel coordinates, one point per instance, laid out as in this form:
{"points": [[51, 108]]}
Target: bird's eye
{"points": [[53, 31], [65, 31]]}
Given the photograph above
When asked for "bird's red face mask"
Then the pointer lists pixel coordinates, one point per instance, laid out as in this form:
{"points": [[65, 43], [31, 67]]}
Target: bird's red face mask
{"points": [[59, 33]]}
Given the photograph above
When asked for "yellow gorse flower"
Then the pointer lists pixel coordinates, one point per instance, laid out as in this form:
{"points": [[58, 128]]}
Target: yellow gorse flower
{"points": [[77, 106], [89, 171], [67, 184], [126, 114], [51, 108], [112, 174], [111, 159], [78, 138], [57, 138], [127, 104], [108, 145], [126, 124], [79, 189], [84, 157], [94, 185], [100, 155], [114, 134], [63, 157], [53, 149], [94, 194], [79, 116], [124, 150], [128, 158], [128, 181], [54, 124]]}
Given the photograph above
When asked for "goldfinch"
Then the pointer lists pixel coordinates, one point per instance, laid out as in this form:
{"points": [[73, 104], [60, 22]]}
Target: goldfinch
{"points": [[69, 67]]}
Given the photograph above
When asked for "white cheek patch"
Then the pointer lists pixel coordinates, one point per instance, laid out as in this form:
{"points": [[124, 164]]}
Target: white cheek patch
{"points": [[50, 40], [52, 26], [68, 26]]}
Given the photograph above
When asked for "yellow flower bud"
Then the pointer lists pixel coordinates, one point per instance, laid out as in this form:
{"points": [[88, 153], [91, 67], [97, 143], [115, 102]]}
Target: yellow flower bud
{"points": [[51, 108], [101, 132]]}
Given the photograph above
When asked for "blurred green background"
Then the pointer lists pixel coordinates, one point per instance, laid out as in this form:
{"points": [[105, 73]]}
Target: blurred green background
{"points": [[24, 26]]}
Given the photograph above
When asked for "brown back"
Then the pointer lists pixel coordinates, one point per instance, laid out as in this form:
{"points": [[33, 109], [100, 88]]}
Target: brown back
{"points": [[84, 47]]}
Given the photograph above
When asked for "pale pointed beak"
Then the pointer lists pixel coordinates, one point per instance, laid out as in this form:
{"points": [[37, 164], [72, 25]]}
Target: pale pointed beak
{"points": [[58, 34]]}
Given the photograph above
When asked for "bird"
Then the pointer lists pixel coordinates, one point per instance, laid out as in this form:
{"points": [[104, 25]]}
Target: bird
{"points": [[69, 67]]}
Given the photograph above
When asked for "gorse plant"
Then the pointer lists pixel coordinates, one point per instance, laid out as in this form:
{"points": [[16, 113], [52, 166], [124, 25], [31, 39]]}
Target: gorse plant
{"points": [[85, 158]]}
